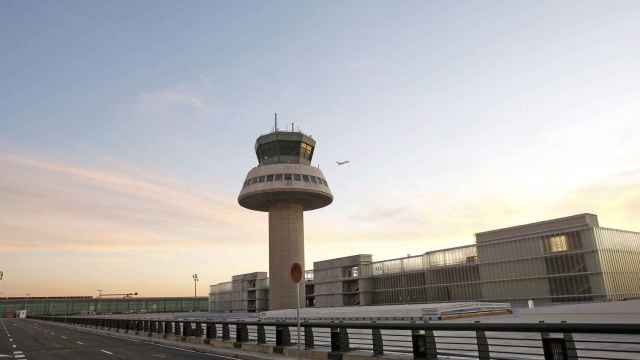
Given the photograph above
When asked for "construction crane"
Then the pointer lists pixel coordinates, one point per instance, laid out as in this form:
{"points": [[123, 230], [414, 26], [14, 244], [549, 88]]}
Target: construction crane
{"points": [[124, 295]]}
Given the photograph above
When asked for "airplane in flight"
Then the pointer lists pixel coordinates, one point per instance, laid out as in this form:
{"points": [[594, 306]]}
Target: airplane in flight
{"points": [[342, 162]]}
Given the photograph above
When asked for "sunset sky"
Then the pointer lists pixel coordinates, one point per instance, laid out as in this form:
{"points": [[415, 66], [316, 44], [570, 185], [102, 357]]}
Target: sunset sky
{"points": [[127, 129]]}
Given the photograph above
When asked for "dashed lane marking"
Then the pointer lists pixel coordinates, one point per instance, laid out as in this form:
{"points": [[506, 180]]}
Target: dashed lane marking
{"points": [[64, 337], [79, 343], [107, 352]]}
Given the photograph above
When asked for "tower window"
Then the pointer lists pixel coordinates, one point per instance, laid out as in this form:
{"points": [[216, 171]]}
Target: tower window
{"points": [[278, 177], [313, 179], [305, 151], [269, 178], [287, 177], [261, 179], [254, 180], [297, 177], [305, 178]]}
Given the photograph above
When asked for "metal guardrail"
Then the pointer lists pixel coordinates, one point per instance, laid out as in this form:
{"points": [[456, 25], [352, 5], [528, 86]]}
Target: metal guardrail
{"points": [[424, 341]]}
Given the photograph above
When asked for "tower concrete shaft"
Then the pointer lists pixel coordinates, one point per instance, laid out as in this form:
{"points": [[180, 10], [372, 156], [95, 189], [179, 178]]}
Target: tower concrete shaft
{"points": [[286, 246]]}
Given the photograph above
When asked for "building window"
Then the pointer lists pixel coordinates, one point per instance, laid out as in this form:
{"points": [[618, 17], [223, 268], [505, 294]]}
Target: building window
{"points": [[261, 179], [254, 180], [287, 177], [562, 242], [558, 243], [289, 148], [278, 177], [269, 178], [297, 177], [305, 178], [313, 179]]}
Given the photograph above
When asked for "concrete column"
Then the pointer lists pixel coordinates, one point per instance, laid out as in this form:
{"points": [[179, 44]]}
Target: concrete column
{"points": [[286, 246]]}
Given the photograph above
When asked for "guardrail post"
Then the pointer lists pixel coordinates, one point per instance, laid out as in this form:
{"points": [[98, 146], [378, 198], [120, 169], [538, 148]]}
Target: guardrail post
{"points": [[283, 338], [378, 345], [225, 332], [483, 345], [176, 328], [559, 348], [262, 336], [242, 333], [554, 349], [344, 339], [572, 353], [308, 337], [339, 342], [424, 344], [211, 331], [186, 328]]}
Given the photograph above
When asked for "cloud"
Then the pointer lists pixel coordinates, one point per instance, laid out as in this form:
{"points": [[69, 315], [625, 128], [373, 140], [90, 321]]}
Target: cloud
{"points": [[53, 205], [399, 214], [431, 221], [174, 99]]}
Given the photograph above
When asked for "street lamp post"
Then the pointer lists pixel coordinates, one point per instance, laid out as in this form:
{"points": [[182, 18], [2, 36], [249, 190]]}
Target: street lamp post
{"points": [[195, 290]]}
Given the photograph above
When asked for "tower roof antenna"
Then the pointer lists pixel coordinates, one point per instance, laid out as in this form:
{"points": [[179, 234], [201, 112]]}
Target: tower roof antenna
{"points": [[275, 119]]}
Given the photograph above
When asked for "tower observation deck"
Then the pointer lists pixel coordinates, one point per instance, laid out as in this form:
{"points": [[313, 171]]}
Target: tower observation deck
{"points": [[284, 184]]}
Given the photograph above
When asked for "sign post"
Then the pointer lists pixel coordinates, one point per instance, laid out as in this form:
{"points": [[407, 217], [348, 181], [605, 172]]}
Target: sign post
{"points": [[296, 276]]}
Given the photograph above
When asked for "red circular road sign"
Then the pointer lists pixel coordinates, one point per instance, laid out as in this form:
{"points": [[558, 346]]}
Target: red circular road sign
{"points": [[296, 272]]}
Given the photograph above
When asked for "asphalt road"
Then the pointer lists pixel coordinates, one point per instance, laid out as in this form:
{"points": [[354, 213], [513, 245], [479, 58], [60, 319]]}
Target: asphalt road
{"points": [[34, 340]]}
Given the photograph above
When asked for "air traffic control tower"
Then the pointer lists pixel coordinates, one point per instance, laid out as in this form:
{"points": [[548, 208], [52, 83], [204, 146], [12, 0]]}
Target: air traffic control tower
{"points": [[285, 184]]}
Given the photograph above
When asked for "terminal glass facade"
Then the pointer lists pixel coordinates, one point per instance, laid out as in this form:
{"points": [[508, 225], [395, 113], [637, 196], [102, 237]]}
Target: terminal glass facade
{"points": [[562, 260]]}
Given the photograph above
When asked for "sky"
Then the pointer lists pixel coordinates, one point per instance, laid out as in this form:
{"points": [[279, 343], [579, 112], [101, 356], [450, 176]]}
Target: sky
{"points": [[127, 129]]}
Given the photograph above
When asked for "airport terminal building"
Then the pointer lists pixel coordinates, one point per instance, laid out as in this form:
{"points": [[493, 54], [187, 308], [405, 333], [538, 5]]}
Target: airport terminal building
{"points": [[570, 259]]}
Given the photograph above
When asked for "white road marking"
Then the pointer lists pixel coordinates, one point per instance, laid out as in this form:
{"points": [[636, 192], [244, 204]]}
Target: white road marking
{"points": [[17, 352], [14, 345], [19, 357], [11, 340], [79, 342], [193, 351], [172, 347], [107, 352], [64, 337], [3, 356]]}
